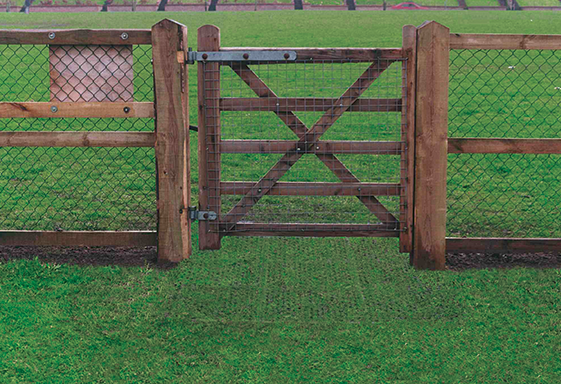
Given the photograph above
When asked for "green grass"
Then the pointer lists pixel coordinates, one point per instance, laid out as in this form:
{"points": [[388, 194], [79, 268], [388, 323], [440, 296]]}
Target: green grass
{"points": [[539, 3], [296, 310], [482, 3]]}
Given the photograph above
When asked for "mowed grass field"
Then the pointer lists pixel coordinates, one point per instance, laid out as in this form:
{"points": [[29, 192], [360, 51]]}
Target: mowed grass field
{"points": [[298, 310]]}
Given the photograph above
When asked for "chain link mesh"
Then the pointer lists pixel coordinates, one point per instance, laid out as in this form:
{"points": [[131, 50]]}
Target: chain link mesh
{"points": [[504, 94], [265, 105], [76, 188]]}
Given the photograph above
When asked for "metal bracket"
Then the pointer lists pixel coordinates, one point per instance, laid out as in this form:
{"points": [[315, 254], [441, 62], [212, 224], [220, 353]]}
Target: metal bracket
{"points": [[195, 214], [237, 56]]}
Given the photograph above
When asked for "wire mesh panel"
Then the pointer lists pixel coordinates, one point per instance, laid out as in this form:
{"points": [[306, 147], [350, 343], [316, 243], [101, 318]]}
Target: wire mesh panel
{"points": [[504, 94], [308, 146], [90, 188]]}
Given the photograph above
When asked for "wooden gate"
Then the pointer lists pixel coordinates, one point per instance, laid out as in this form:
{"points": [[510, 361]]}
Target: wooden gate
{"points": [[260, 114]]}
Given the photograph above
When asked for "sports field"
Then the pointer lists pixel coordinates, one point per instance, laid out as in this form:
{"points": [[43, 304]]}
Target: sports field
{"points": [[294, 310]]}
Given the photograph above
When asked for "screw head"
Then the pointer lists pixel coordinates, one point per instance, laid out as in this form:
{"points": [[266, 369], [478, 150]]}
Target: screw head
{"points": [[52, 35], [205, 56], [287, 56], [246, 56], [124, 35], [54, 109], [126, 109]]}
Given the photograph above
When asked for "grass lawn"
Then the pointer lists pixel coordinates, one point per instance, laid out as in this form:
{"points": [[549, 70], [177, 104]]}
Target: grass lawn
{"points": [[281, 309]]}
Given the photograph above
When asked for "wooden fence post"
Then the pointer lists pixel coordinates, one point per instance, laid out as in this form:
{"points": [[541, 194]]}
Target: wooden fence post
{"points": [[431, 146], [209, 137], [172, 141], [409, 47]]}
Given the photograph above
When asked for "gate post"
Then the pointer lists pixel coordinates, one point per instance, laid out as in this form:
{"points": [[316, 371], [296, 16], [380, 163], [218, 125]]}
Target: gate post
{"points": [[209, 137], [431, 147], [172, 141]]}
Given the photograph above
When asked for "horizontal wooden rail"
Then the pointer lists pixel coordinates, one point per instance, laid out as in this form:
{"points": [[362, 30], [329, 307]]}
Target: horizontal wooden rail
{"points": [[497, 41], [492, 145], [332, 54], [305, 104], [310, 230], [79, 238], [489, 244], [314, 189], [321, 147], [77, 139], [77, 36], [77, 110]]}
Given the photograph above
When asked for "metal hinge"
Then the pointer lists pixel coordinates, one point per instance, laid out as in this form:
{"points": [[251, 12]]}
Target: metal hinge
{"points": [[237, 56], [195, 214]]}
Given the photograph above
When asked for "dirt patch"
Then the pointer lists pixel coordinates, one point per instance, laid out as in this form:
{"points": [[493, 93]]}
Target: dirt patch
{"points": [[462, 261], [97, 256]]}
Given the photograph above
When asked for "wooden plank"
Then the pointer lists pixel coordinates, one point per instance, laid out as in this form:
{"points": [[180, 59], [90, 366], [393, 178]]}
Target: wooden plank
{"points": [[306, 104], [79, 238], [209, 136], [76, 139], [408, 137], [77, 110], [170, 141], [314, 189], [185, 217], [504, 41], [321, 147], [431, 130], [310, 230], [308, 140], [500, 145], [492, 245], [331, 54], [76, 36]]}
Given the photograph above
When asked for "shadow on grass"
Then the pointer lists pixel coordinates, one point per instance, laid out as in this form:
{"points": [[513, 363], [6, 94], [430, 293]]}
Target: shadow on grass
{"points": [[463, 261], [90, 256]]}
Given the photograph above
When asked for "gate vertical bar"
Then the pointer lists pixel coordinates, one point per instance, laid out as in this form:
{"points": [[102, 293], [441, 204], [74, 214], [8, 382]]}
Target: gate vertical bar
{"points": [[171, 143], [184, 47], [431, 146], [209, 137], [409, 47]]}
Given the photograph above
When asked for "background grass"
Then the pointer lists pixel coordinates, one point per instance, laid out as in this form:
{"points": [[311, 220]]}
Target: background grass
{"points": [[278, 310]]}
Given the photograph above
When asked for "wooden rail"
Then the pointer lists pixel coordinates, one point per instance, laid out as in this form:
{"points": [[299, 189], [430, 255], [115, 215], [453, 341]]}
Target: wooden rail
{"points": [[310, 104], [500, 145], [77, 36], [76, 139], [76, 110], [310, 230], [355, 55], [498, 41], [334, 147], [314, 189], [79, 238]]}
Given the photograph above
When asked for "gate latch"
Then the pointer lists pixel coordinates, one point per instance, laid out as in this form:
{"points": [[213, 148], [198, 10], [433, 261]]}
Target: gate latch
{"points": [[195, 214]]}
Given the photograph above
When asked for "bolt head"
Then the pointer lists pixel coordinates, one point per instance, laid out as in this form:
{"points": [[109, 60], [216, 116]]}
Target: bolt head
{"points": [[205, 56], [52, 35], [124, 35], [287, 56], [54, 109], [246, 56], [126, 109]]}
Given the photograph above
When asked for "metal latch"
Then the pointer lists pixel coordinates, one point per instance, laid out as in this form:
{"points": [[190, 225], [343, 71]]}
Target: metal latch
{"points": [[237, 56], [195, 214]]}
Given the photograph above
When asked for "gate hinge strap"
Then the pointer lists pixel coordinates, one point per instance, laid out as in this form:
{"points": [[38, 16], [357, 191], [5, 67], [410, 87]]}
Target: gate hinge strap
{"points": [[238, 56], [195, 214]]}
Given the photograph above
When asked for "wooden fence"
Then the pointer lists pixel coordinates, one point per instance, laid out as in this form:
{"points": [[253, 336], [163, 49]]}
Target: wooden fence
{"points": [[422, 146]]}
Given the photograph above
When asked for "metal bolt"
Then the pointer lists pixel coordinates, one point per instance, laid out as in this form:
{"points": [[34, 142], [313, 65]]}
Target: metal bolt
{"points": [[359, 189], [124, 35], [287, 56], [297, 149], [246, 56], [317, 148], [259, 190], [126, 109], [205, 56], [51, 35], [54, 109]]}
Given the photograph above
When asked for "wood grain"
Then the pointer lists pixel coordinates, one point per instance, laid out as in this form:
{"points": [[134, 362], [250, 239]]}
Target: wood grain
{"points": [[321, 147], [500, 145], [314, 189], [170, 141], [79, 238], [431, 130], [76, 139], [77, 36], [306, 104], [504, 41], [77, 110]]}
